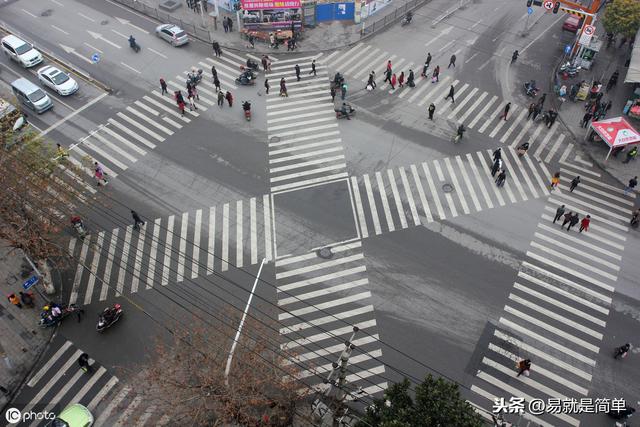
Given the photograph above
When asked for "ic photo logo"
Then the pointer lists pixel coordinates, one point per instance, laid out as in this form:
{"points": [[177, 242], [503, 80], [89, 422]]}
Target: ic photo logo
{"points": [[14, 416]]}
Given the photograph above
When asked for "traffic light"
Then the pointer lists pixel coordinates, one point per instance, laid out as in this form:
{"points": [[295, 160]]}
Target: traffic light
{"points": [[556, 7], [529, 3]]}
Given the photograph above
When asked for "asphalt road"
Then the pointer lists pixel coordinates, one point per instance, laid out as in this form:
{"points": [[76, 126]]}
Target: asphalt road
{"points": [[441, 272]]}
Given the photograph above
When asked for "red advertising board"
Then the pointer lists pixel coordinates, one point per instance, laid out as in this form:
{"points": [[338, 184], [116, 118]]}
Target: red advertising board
{"points": [[270, 4]]}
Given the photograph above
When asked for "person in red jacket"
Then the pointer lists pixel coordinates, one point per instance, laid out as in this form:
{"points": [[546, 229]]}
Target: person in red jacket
{"points": [[584, 224], [394, 80]]}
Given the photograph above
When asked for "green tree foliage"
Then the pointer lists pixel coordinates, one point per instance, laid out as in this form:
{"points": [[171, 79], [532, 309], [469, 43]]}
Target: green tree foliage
{"points": [[436, 402], [622, 17]]}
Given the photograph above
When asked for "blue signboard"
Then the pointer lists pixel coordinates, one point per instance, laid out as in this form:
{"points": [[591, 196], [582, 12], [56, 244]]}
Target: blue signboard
{"points": [[335, 11], [95, 58], [567, 48], [529, 10], [30, 282]]}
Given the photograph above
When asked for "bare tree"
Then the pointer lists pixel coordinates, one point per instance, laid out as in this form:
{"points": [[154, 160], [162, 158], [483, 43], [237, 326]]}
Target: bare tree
{"points": [[35, 199], [185, 376]]}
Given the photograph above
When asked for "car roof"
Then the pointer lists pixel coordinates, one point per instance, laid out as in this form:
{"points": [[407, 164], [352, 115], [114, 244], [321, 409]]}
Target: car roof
{"points": [[572, 18], [13, 40], [76, 415], [50, 70], [171, 27]]}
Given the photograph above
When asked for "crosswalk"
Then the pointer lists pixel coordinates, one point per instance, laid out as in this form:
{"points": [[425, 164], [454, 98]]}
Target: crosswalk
{"points": [[304, 141], [130, 134], [475, 108], [407, 196], [557, 310], [169, 250], [322, 299]]}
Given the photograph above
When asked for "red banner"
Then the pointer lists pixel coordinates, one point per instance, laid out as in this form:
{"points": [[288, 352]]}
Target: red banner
{"points": [[270, 4]]}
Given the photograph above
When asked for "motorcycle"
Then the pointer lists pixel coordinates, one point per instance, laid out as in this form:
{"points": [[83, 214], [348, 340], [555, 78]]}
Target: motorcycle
{"points": [[108, 317], [530, 88], [407, 19], [246, 106], [350, 110], [569, 69], [622, 351], [195, 77], [78, 226], [133, 45], [47, 319], [246, 79]]}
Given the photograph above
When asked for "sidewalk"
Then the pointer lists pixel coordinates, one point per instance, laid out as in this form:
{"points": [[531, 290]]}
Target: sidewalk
{"points": [[21, 339], [324, 36], [571, 113]]}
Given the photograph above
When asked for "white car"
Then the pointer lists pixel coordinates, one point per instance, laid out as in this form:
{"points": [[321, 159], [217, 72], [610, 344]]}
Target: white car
{"points": [[20, 51], [57, 80], [172, 34]]}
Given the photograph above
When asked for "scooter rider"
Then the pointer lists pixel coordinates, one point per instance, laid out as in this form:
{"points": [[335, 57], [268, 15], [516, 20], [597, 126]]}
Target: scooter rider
{"points": [[408, 17], [635, 216], [132, 42], [345, 110], [622, 350], [246, 106]]}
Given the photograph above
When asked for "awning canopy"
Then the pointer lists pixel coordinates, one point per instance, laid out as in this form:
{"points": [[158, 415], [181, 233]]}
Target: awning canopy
{"points": [[616, 132], [633, 72]]}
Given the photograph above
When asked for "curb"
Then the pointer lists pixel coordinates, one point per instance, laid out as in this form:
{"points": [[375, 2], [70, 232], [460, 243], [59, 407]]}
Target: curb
{"points": [[579, 141], [51, 57]]}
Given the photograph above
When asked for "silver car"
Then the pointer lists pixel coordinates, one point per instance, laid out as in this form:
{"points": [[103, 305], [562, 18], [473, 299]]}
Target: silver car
{"points": [[173, 34], [57, 80]]}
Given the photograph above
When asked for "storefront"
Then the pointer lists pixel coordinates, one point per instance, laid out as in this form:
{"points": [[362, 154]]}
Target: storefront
{"points": [[617, 133], [261, 17]]}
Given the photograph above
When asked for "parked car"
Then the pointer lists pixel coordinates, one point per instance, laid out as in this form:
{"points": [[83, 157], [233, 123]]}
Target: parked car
{"points": [[31, 95], [57, 80], [75, 415], [173, 34], [572, 24], [21, 51]]}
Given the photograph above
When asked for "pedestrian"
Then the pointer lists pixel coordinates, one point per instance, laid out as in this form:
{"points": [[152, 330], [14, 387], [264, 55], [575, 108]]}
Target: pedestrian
{"points": [[387, 76], [559, 213], [79, 313], [541, 100], [497, 165], [313, 68], [432, 109], [191, 96], [13, 299], [631, 154], [389, 66], [574, 183], [333, 94], [585, 119], [214, 72], [613, 80], [573, 221], [536, 111], [552, 118], [607, 106], [436, 75], [27, 298], [555, 180], [410, 79], [343, 90], [266, 86], [264, 62], [632, 184], [401, 79], [83, 361], [216, 48], [584, 224], [450, 95], [61, 152], [532, 108], [230, 23], [297, 68], [225, 25], [229, 98], [137, 221], [372, 80], [180, 101], [220, 98], [502, 177], [100, 175], [497, 154], [393, 81], [426, 65], [514, 56], [506, 111], [283, 88], [524, 367], [163, 86], [452, 61], [216, 83], [567, 218], [252, 41]]}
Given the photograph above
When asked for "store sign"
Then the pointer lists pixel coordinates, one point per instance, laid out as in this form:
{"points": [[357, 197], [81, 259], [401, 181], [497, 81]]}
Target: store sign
{"points": [[270, 4]]}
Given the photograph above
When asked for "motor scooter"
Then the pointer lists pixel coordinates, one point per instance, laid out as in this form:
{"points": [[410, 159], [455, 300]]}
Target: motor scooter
{"points": [[108, 317], [246, 106]]}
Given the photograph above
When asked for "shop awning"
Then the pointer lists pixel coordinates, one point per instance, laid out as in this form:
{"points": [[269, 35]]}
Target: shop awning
{"points": [[616, 132], [633, 72]]}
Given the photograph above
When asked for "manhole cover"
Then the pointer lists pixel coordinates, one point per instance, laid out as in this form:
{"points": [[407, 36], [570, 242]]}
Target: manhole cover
{"points": [[325, 253], [274, 139], [47, 12], [447, 188], [170, 5], [105, 22]]}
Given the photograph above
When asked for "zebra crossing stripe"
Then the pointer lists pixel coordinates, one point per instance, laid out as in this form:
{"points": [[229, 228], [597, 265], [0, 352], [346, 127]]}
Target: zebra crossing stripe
{"points": [[396, 198], [421, 194], [462, 104], [123, 260], [106, 413], [182, 246], [253, 233], [47, 366], [168, 243], [239, 239], [481, 115], [114, 147], [479, 181], [211, 240], [225, 237], [268, 224], [364, 232], [447, 196], [140, 126], [153, 253], [124, 141], [514, 176], [106, 279], [195, 256], [408, 193], [135, 280], [457, 185], [166, 109], [496, 190], [432, 188], [93, 271], [102, 393], [131, 133], [385, 202], [467, 181]]}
